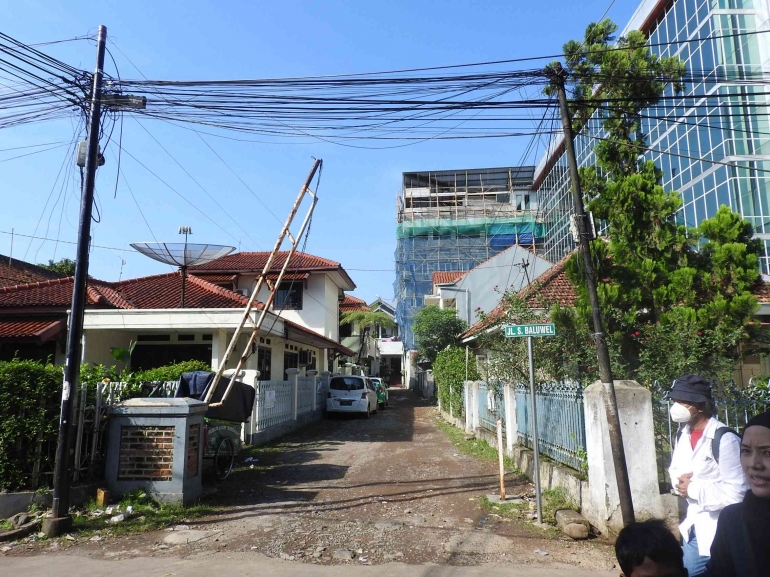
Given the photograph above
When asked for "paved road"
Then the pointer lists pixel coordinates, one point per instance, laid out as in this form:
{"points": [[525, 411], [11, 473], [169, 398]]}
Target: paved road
{"points": [[251, 565], [393, 491]]}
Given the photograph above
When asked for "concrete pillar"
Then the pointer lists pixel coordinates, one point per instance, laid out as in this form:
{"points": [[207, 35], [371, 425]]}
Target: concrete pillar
{"points": [[511, 424], [314, 375], [468, 407], [293, 374], [218, 347], [602, 508], [475, 403]]}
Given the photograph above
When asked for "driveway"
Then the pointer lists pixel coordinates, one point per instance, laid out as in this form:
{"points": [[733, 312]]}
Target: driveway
{"points": [[350, 491]]}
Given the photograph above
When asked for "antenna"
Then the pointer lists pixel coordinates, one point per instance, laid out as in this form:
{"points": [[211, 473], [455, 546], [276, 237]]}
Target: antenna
{"points": [[183, 254]]}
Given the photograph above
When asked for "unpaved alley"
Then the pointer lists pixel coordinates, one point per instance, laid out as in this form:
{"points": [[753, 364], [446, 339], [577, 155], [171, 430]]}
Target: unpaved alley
{"points": [[393, 488]]}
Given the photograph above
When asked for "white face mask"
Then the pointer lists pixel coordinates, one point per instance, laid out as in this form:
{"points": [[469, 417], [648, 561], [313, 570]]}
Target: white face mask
{"points": [[679, 413]]}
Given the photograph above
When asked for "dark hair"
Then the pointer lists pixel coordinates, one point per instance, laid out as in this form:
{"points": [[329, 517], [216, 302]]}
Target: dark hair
{"points": [[708, 408], [648, 539]]}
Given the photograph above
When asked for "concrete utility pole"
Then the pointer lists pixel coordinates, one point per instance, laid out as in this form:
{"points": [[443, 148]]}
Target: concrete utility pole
{"points": [[557, 75], [60, 520]]}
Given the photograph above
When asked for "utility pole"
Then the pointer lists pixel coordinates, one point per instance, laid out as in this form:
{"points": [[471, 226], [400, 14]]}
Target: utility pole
{"points": [[60, 521], [557, 75]]}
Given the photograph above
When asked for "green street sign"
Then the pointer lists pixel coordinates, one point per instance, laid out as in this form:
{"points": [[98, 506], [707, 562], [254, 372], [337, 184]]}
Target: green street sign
{"points": [[539, 330]]}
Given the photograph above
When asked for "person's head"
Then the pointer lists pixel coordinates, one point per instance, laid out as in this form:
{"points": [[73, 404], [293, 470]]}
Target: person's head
{"points": [[649, 549], [755, 454], [692, 400]]}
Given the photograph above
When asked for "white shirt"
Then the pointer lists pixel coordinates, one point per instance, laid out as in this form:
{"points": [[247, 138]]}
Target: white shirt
{"points": [[713, 486]]}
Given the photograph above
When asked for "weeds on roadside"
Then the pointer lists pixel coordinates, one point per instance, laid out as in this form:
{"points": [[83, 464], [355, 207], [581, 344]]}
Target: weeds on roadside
{"points": [[475, 447], [147, 515]]}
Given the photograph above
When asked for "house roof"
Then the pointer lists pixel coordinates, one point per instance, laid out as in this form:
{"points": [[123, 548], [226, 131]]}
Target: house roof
{"points": [[34, 328], [14, 272], [351, 303], [164, 291], [762, 292], [58, 293], [551, 287], [218, 278], [446, 277]]}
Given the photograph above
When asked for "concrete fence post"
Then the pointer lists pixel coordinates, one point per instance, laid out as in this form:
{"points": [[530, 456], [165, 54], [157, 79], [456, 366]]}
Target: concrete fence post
{"points": [[293, 374], [325, 378], [314, 374], [467, 403], [635, 409], [511, 424], [475, 401]]}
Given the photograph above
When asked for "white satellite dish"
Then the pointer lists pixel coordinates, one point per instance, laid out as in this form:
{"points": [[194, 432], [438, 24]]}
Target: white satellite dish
{"points": [[182, 254]]}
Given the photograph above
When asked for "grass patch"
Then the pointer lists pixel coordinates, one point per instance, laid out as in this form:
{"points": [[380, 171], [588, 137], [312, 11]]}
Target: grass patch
{"points": [[147, 515], [553, 500], [6, 525], [475, 447]]}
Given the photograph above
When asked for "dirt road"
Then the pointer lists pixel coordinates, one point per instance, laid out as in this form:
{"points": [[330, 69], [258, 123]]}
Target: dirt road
{"points": [[392, 488]]}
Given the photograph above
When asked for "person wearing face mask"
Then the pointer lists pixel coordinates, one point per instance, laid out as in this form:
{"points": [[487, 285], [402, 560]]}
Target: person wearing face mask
{"points": [[705, 468], [741, 547]]}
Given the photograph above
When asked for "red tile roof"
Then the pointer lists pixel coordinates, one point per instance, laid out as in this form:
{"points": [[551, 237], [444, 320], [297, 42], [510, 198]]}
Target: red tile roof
{"points": [[58, 293], [20, 272], [38, 328], [246, 262], [255, 261], [218, 278], [446, 277], [164, 291], [290, 276], [550, 288], [352, 303]]}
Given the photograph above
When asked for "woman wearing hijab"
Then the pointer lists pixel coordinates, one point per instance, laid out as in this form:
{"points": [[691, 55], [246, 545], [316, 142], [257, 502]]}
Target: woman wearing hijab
{"points": [[741, 547], [705, 468]]}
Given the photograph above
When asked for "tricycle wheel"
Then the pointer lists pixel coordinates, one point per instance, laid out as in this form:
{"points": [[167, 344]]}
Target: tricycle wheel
{"points": [[224, 459]]}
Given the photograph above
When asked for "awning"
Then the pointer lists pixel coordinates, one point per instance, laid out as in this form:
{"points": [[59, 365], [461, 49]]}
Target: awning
{"points": [[311, 338], [37, 329]]}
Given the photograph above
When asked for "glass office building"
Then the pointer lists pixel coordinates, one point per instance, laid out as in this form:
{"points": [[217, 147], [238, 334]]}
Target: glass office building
{"points": [[711, 141]]}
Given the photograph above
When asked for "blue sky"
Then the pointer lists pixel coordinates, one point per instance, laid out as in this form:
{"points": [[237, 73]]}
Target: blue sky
{"points": [[354, 221]]}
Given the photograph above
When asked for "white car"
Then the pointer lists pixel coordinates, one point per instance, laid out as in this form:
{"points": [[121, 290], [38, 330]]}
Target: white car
{"points": [[351, 394]]}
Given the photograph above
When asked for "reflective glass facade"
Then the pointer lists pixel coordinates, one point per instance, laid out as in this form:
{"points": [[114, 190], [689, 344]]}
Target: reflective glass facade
{"points": [[713, 151]]}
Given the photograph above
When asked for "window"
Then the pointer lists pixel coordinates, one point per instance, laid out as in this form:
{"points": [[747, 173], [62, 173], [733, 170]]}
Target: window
{"points": [[264, 363], [181, 338], [346, 330], [289, 296], [346, 384], [158, 338], [290, 361]]}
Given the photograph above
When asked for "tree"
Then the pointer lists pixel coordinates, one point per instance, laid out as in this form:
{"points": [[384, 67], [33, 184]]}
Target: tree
{"points": [[449, 371], [674, 299], [436, 329], [366, 320], [65, 266]]}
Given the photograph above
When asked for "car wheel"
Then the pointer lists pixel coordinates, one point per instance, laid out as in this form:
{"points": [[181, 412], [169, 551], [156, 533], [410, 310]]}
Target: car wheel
{"points": [[380, 406], [368, 412]]}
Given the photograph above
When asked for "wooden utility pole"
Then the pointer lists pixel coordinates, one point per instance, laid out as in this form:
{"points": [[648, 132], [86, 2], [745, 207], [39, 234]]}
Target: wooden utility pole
{"points": [[557, 75]]}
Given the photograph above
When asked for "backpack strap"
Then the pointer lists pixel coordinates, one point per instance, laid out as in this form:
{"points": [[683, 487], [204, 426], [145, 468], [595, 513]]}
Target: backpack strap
{"points": [[718, 434]]}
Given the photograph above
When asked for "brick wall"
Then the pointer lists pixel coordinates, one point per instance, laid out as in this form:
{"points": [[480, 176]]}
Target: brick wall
{"points": [[146, 453], [193, 444]]}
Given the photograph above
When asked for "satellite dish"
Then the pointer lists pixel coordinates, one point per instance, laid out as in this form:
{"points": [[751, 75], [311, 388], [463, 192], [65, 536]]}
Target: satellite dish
{"points": [[182, 254]]}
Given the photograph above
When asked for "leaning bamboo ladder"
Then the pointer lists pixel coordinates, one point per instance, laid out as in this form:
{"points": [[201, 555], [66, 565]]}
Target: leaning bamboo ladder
{"points": [[305, 190]]}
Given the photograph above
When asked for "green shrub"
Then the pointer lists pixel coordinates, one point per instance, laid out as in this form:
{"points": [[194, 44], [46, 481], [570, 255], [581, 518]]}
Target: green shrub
{"points": [[449, 374], [30, 399], [170, 372]]}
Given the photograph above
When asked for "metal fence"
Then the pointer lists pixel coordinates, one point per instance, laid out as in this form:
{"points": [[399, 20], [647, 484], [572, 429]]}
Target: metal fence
{"points": [[491, 406], [425, 385], [274, 404], [560, 421]]}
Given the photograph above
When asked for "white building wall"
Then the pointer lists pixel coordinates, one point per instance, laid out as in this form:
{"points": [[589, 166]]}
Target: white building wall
{"points": [[483, 287]]}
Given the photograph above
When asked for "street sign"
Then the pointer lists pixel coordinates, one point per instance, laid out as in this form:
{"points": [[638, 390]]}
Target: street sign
{"points": [[538, 330]]}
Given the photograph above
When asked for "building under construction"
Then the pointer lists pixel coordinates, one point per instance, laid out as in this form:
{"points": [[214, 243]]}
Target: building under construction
{"points": [[453, 220]]}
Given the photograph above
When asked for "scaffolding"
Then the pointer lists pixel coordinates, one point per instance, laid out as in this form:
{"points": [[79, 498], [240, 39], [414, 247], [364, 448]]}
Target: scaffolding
{"points": [[454, 220]]}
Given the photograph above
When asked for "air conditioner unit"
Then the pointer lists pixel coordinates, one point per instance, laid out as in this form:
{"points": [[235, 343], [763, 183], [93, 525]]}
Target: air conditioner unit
{"points": [[306, 357], [243, 291]]}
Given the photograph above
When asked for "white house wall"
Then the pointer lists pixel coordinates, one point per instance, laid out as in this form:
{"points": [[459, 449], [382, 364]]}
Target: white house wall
{"points": [[319, 304], [476, 289]]}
